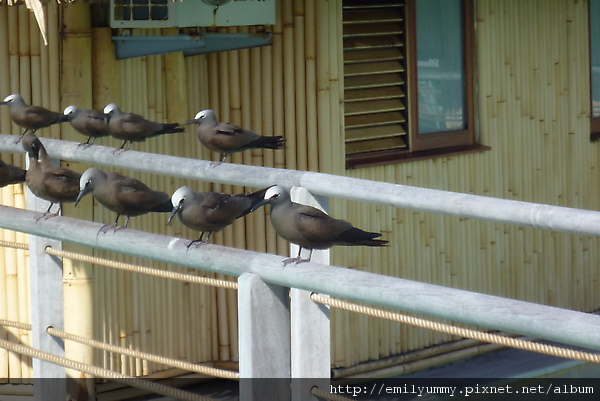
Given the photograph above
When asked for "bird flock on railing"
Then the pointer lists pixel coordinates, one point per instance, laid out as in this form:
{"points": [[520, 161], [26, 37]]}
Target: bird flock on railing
{"points": [[206, 212]]}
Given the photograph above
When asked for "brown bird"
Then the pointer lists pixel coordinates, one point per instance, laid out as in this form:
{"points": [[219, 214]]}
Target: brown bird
{"points": [[210, 212], [122, 195], [29, 117], [228, 138], [10, 174], [309, 227], [46, 180], [130, 127], [90, 123]]}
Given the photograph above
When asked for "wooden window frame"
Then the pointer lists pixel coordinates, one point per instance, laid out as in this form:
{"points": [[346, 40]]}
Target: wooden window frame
{"points": [[425, 146]]}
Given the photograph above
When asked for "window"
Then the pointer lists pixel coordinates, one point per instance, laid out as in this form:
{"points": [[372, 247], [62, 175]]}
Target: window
{"points": [[595, 67], [408, 77], [141, 10]]}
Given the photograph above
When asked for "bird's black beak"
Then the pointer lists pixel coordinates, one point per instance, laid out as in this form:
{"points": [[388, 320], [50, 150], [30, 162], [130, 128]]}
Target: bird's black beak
{"points": [[191, 122], [61, 119], [174, 212], [86, 189], [259, 204]]}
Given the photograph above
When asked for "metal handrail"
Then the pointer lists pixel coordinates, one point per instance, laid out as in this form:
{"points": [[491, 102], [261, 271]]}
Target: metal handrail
{"points": [[539, 321], [556, 218]]}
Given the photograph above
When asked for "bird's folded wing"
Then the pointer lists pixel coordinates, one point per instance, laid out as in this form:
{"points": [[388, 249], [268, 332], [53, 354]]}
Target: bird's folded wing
{"points": [[316, 225]]}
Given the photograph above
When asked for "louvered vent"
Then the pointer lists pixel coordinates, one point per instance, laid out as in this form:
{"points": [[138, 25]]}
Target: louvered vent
{"points": [[374, 76]]}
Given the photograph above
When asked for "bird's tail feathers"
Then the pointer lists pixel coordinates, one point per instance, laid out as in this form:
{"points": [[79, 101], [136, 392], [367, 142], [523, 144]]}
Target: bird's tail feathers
{"points": [[166, 207], [171, 129], [255, 197], [267, 142], [356, 236]]}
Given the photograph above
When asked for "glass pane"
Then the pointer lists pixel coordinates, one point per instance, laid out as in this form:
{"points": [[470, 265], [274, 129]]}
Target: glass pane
{"points": [[440, 66], [141, 13], [595, 55], [160, 13]]}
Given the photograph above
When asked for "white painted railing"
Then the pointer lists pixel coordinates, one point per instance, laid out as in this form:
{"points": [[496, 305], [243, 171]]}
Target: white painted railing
{"points": [[299, 328]]}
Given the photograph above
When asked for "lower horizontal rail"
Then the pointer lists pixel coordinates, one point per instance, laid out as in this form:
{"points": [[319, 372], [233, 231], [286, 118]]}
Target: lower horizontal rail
{"points": [[459, 331], [213, 282], [192, 367], [101, 373], [533, 320]]}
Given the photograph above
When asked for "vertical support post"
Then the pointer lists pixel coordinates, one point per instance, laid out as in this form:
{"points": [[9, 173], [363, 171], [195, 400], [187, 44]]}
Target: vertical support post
{"points": [[46, 280], [310, 324], [76, 65], [264, 338]]}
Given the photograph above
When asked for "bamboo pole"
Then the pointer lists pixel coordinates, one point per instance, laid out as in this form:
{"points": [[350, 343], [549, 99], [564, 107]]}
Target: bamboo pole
{"points": [[24, 55], [312, 112], [323, 31], [336, 82], [5, 126], [77, 89], [5, 121], [299, 40], [289, 86]]}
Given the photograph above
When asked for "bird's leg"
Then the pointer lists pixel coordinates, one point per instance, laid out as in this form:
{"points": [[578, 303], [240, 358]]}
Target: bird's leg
{"points": [[222, 156], [127, 222], [47, 213], [298, 259], [199, 240], [87, 143], [106, 228], [22, 135], [122, 148]]}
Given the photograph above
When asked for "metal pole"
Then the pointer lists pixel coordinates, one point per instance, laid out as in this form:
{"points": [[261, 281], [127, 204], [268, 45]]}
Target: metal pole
{"points": [[310, 322], [264, 333], [539, 321], [46, 283]]}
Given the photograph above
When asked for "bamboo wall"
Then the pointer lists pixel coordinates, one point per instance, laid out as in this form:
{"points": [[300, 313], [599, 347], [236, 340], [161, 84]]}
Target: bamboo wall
{"points": [[30, 68], [533, 110]]}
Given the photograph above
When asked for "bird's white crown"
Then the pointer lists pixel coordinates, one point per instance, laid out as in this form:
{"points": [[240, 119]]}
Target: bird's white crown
{"points": [[274, 191], [202, 114], [12, 97], [70, 109], [180, 194], [110, 107]]}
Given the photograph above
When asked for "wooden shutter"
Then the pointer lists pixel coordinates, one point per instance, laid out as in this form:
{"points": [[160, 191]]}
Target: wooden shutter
{"points": [[374, 76]]}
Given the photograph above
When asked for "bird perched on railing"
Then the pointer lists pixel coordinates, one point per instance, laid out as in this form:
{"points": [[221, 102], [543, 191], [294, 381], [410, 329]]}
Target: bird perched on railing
{"points": [[309, 227], [29, 117], [228, 138], [90, 123], [122, 195], [130, 127], [210, 212], [10, 174], [46, 180]]}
